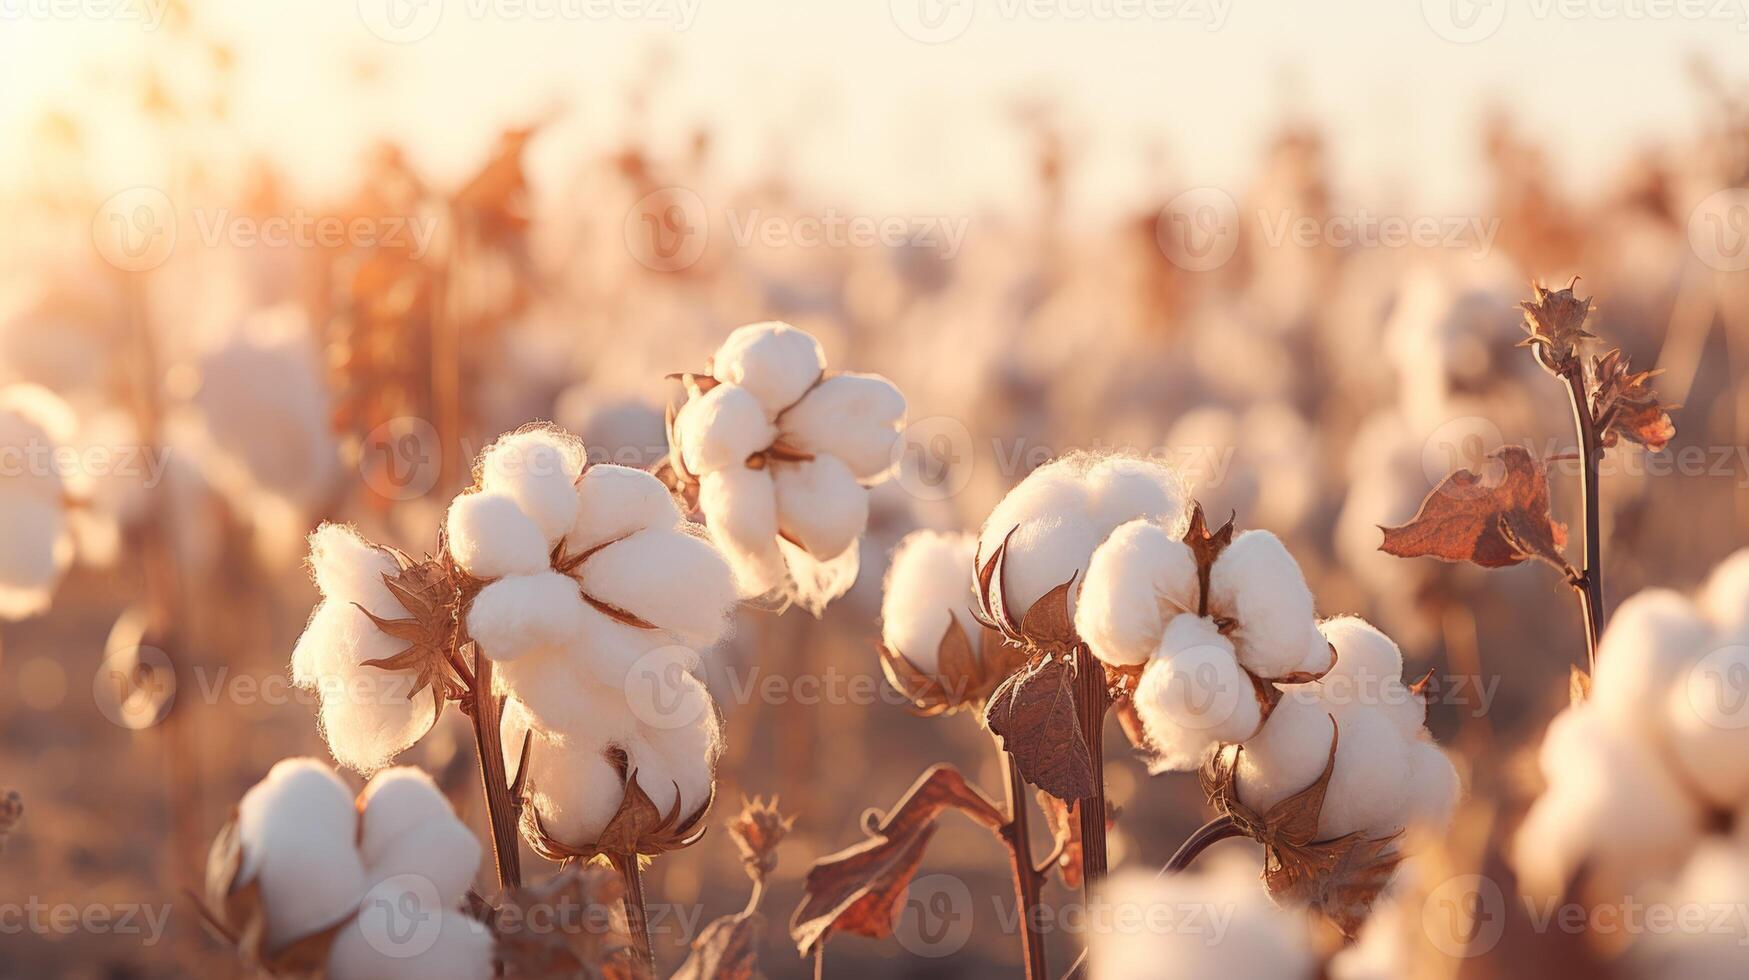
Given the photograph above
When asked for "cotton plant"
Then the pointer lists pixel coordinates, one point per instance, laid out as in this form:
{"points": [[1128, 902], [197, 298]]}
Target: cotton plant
{"points": [[565, 614], [1193, 925], [779, 453], [1656, 754], [36, 524], [307, 878]]}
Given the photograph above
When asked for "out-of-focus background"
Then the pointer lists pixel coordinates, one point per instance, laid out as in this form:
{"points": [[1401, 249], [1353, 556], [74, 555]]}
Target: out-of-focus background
{"points": [[285, 262]]}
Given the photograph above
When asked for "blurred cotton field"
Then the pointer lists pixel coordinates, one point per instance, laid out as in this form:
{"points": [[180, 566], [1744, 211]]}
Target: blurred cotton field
{"points": [[455, 453]]}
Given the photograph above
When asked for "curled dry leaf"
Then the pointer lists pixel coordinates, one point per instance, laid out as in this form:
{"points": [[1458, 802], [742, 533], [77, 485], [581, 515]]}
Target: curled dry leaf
{"points": [[1578, 686], [861, 888], [591, 938], [1341, 878], [1493, 519], [1205, 547], [1064, 821], [1033, 713], [1624, 406], [963, 678]]}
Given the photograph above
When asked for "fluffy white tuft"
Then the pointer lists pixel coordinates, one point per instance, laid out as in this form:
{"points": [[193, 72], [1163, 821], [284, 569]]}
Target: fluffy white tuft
{"points": [[538, 468], [1257, 583], [490, 536], [1137, 580], [773, 361], [854, 417], [1193, 696], [719, 429], [740, 507], [820, 506], [614, 501], [928, 585]]}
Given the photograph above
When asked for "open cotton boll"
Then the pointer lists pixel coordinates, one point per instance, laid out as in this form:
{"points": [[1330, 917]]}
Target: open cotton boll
{"points": [[1138, 579], [928, 584], [1193, 696], [773, 361], [520, 613], [1713, 882], [854, 417], [820, 506], [35, 550], [1256, 582], [297, 829], [1725, 598], [401, 935], [349, 568], [740, 507], [538, 469], [369, 715], [1127, 488], [1651, 640], [443, 852], [1044, 554], [1160, 928], [614, 501], [490, 536], [1369, 786], [1708, 724], [572, 786], [670, 579], [1369, 671], [721, 428], [1434, 788], [393, 804], [1287, 753], [1611, 806]]}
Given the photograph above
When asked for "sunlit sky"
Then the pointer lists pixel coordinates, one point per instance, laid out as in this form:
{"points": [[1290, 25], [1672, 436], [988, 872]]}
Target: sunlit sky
{"points": [[857, 110]]}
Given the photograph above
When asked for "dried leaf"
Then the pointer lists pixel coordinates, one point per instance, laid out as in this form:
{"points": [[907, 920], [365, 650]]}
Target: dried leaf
{"points": [[1033, 713], [1205, 547], [860, 889], [1494, 519], [1064, 821], [1047, 624], [992, 604], [727, 949]]}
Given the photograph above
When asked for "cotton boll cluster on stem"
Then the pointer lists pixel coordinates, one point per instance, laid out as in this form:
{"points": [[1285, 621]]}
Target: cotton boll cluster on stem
{"points": [[307, 879], [779, 454], [1656, 754], [36, 540]]}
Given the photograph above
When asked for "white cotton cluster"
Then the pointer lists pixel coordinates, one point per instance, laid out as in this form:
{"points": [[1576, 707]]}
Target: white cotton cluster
{"points": [[386, 872], [369, 714], [1056, 518], [36, 540], [1195, 925], [1703, 930], [1662, 740], [598, 600], [928, 585], [784, 454], [1388, 774]]}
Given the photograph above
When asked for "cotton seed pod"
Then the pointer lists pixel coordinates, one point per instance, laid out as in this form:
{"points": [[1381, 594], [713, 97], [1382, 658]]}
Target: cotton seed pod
{"points": [[933, 649], [1193, 695]]}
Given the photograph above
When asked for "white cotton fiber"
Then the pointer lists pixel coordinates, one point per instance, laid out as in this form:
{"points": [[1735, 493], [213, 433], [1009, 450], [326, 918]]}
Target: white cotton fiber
{"points": [[614, 501], [297, 828], [1193, 696], [520, 613], [605, 649], [349, 568], [1256, 582], [1725, 598], [443, 852], [1287, 754], [1707, 724], [820, 506], [773, 361], [490, 536], [1137, 580], [572, 787], [928, 584], [393, 804], [1651, 640], [740, 506], [668, 578], [1043, 554], [854, 417], [35, 550], [1196, 925], [400, 935], [1434, 788], [1126, 488], [550, 682], [369, 715], [1369, 788], [1369, 673], [720, 429], [538, 469]]}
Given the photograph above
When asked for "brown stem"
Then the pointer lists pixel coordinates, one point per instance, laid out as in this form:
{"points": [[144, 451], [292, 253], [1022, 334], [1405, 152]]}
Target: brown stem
{"points": [[1027, 879], [500, 806], [1216, 830], [1589, 584], [637, 915], [1091, 702]]}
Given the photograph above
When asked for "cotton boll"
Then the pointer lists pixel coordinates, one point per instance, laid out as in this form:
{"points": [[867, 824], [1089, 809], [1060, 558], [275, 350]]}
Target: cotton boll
{"points": [[614, 501], [1708, 724], [1725, 598], [820, 506], [1178, 939], [928, 584], [393, 804], [1287, 754], [573, 788], [490, 536], [1193, 696], [538, 469], [520, 613], [1433, 784], [1044, 554], [1136, 581], [721, 428], [1124, 488], [349, 568], [854, 417], [1369, 789], [1651, 640], [1256, 582], [740, 507], [773, 361], [35, 550], [442, 851], [296, 828], [670, 579], [401, 934], [1053, 489], [1368, 672]]}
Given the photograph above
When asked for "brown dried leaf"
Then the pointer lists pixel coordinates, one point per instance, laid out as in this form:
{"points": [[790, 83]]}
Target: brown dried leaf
{"points": [[1033, 713], [727, 949], [992, 605], [1205, 547], [860, 888], [1064, 821], [1047, 624], [1494, 519]]}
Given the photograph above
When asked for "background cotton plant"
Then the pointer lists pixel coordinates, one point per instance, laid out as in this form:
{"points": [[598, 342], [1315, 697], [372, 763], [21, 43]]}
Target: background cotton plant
{"points": [[34, 493]]}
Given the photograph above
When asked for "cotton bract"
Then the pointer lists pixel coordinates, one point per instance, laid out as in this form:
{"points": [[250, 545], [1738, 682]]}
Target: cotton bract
{"points": [[385, 874], [783, 454]]}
